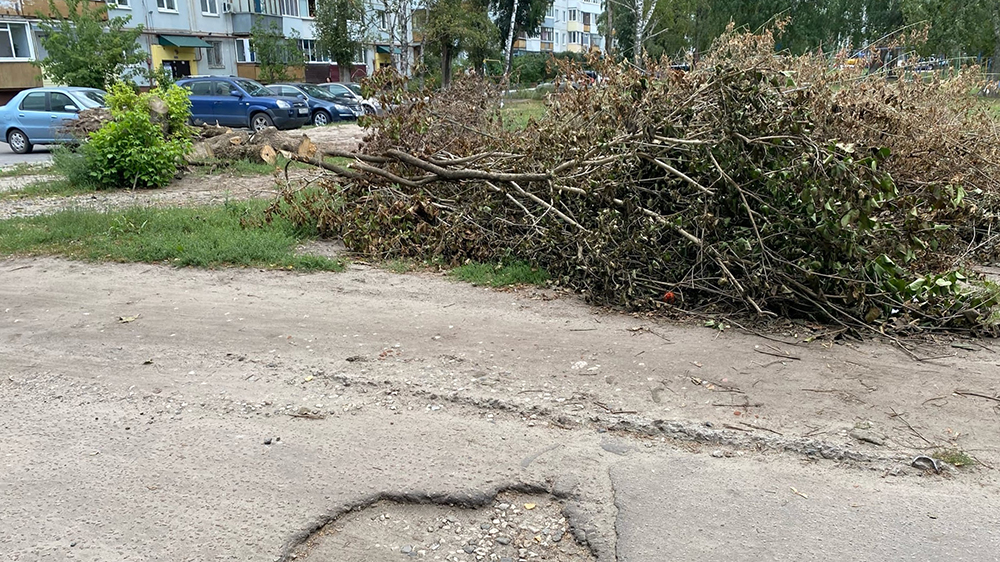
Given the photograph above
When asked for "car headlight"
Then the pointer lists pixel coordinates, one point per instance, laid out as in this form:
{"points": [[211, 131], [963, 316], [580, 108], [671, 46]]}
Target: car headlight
{"points": [[341, 108], [282, 104]]}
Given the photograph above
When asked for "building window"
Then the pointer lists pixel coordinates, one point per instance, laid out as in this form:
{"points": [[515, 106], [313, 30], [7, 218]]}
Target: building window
{"points": [[290, 8], [550, 12], [210, 7], [574, 36], [311, 51], [167, 5], [311, 6], [586, 39], [586, 18], [243, 51], [214, 55], [14, 42], [547, 34], [120, 4], [572, 15], [383, 20]]}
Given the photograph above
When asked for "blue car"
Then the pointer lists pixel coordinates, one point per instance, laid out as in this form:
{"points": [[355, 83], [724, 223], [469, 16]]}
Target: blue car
{"points": [[324, 106], [240, 102], [37, 115]]}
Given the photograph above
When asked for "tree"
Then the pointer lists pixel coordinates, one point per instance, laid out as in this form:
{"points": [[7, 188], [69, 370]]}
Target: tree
{"points": [[276, 54], [340, 26], [513, 17], [454, 26], [88, 49]]}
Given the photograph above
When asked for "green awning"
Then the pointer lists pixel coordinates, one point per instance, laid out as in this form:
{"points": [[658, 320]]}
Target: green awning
{"points": [[182, 41], [385, 50]]}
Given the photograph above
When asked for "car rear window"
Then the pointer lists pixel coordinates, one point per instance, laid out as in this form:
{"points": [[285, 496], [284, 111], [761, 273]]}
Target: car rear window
{"points": [[35, 101], [202, 88]]}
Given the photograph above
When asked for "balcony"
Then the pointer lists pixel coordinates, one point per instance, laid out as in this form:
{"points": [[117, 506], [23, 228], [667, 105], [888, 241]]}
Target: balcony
{"points": [[247, 13]]}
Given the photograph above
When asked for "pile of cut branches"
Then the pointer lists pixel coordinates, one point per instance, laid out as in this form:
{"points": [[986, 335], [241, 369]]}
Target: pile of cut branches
{"points": [[774, 185]]}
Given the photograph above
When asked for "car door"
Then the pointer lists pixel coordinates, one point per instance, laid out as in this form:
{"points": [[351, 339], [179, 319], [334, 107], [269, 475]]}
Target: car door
{"points": [[202, 101], [230, 110], [62, 109], [33, 117]]}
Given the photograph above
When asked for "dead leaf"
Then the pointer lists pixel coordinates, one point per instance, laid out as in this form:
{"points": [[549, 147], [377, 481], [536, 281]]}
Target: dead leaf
{"points": [[529, 506], [127, 319]]}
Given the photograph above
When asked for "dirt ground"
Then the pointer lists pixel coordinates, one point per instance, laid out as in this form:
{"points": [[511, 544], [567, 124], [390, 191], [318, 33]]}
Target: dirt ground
{"points": [[262, 415]]}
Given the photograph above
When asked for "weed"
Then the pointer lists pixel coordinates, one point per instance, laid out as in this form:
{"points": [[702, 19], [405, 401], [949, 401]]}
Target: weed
{"points": [[23, 169], [956, 457], [50, 188], [201, 236], [513, 273], [518, 114]]}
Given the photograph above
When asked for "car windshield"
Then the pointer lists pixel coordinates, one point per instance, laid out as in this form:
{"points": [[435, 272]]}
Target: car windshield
{"points": [[92, 98], [318, 93], [253, 88]]}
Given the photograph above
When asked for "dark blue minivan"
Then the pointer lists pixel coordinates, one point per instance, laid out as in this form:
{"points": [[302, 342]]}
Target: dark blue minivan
{"points": [[240, 102]]}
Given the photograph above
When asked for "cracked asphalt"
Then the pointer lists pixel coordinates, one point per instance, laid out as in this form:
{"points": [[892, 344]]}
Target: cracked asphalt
{"points": [[160, 414]]}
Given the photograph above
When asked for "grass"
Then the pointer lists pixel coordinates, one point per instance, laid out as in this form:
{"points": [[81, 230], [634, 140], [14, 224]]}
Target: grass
{"points": [[51, 188], [994, 106], [24, 169], [246, 168], [518, 114], [215, 236], [956, 458], [514, 273]]}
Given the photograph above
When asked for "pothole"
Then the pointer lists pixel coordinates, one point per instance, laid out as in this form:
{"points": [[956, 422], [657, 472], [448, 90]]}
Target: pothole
{"points": [[514, 527]]}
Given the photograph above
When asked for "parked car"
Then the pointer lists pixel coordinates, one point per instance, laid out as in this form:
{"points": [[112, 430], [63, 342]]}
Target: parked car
{"points": [[324, 107], [370, 105], [241, 102], [38, 115]]}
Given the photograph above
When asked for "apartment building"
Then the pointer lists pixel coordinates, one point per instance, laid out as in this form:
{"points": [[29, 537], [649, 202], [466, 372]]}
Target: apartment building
{"points": [[570, 25]]}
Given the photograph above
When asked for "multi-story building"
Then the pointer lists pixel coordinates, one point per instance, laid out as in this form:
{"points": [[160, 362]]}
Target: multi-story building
{"points": [[570, 25], [190, 37]]}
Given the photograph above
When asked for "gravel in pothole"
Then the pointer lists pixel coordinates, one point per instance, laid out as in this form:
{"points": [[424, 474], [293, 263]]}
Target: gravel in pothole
{"points": [[515, 528]]}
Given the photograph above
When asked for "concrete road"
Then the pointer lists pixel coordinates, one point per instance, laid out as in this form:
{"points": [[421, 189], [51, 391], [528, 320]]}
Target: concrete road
{"points": [[38, 154], [160, 414]]}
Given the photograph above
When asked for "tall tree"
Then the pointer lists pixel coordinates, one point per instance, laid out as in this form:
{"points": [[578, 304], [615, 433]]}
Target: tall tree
{"points": [[276, 54], [456, 26], [340, 27], [87, 48], [513, 17]]}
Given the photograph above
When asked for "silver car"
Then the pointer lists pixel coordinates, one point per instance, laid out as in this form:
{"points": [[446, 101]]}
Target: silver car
{"points": [[38, 115]]}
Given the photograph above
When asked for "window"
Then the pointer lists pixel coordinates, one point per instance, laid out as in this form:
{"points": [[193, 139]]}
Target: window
{"points": [[383, 20], [34, 101], [311, 6], [290, 7], [214, 54], [572, 15], [586, 18], [120, 4], [243, 51], [59, 102], [167, 5], [14, 42], [586, 39], [547, 34], [574, 36], [564, 16], [203, 88], [563, 38], [550, 12], [210, 7], [311, 50]]}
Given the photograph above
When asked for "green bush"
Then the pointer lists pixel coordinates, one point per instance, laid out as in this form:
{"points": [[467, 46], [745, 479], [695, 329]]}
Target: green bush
{"points": [[72, 165], [136, 149]]}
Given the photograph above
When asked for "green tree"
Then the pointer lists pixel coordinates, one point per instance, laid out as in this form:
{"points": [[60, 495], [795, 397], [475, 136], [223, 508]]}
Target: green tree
{"points": [[528, 18], [87, 48], [339, 30], [455, 26], [276, 54]]}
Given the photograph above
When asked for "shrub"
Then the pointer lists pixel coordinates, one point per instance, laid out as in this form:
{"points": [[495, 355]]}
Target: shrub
{"points": [[139, 147]]}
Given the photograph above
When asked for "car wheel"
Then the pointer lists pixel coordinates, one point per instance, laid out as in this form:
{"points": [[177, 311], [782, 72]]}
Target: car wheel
{"points": [[369, 110], [260, 121], [18, 142], [321, 118]]}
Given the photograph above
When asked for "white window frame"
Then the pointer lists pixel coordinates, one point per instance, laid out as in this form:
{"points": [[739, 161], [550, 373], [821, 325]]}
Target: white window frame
{"points": [[383, 20], [10, 39], [288, 8], [573, 15], [243, 50], [546, 34], [212, 4], [120, 4], [165, 4]]}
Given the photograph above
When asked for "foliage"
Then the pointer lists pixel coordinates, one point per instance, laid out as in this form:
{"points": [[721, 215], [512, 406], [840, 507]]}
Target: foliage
{"points": [[276, 54], [71, 163], [339, 29], [213, 236], [532, 68], [529, 18], [85, 50], [456, 26], [135, 149], [754, 182], [500, 274], [160, 76]]}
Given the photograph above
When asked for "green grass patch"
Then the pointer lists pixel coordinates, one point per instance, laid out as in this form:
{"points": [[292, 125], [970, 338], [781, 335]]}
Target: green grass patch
{"points": [[246, 168], [956, 457], [513, 273], [214, 236], [24, 169], [517, 114], [47, 188]]}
